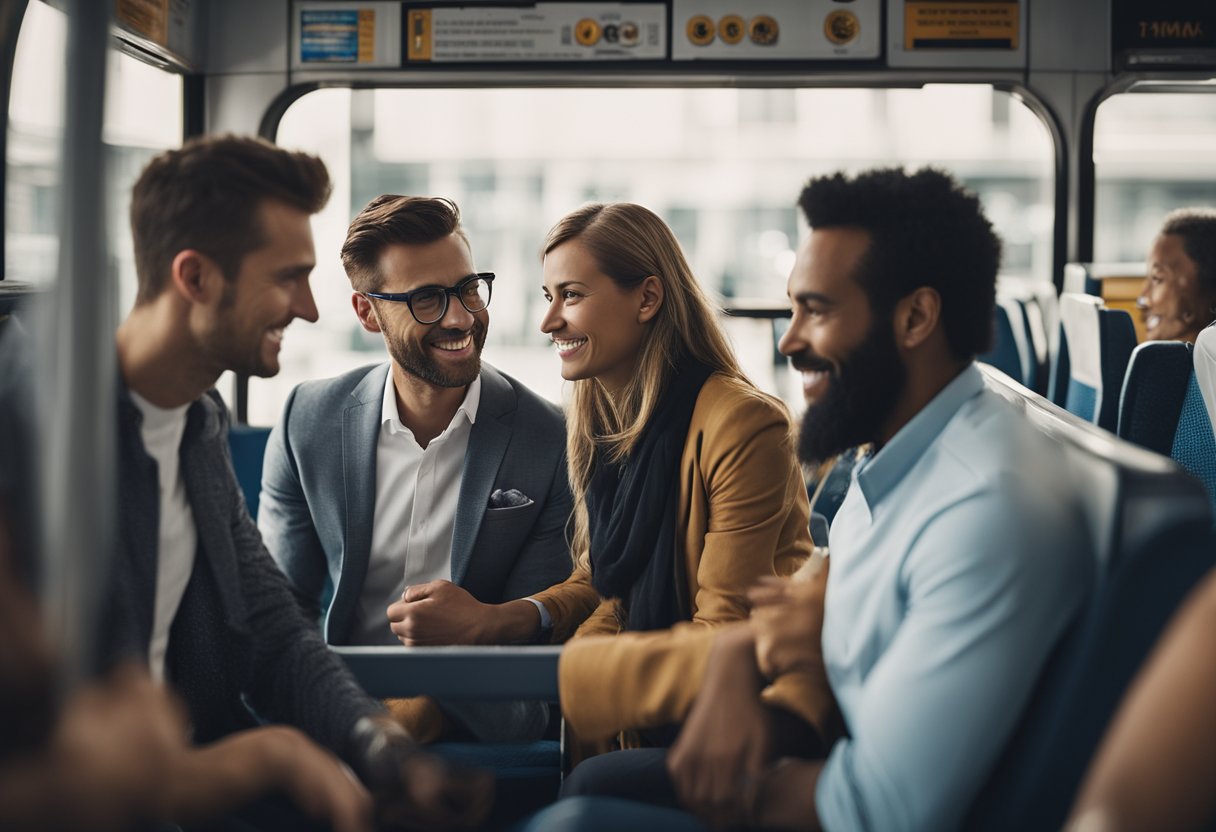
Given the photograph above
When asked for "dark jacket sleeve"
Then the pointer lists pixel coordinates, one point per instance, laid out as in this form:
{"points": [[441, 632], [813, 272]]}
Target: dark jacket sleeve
{"points": [[295, 678]]}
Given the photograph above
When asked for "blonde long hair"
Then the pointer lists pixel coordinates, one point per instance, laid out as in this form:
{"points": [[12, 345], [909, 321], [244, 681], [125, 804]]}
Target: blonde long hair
{"points": [[630, 243]]}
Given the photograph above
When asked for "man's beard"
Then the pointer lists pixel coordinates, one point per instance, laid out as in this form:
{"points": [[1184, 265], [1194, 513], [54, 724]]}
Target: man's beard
{"points": [[412, 356], [860, 397]]}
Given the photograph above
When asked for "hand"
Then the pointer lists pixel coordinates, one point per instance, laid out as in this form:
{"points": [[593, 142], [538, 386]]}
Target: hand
{"points": [[314, 780], [785, 798], [440, 612], [415, 790], [114, 748], [726, 741], [787, 619]]}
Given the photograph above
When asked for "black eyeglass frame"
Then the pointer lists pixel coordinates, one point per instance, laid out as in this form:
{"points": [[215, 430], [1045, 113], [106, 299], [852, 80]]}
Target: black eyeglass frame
{"points": [[448, 293]]}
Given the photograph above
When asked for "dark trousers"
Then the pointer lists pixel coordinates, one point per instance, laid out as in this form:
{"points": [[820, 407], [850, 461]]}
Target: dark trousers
{"points": [[638, 774]]}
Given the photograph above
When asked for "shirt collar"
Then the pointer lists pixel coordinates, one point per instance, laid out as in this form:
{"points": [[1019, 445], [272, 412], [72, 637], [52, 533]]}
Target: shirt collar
{"points": [[390, 416], [877, 476]]}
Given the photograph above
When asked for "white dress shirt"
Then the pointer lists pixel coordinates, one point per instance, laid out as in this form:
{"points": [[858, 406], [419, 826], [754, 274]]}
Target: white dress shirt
{"points": [[417, 491], [177, 536]]}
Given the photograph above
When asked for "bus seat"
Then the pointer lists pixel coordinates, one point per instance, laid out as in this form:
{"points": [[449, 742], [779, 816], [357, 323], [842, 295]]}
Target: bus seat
{"points": [[1009, 352], [1152, 542], [1100, 342], [828, 492], [1061, 369], [1168, 401], [1158, 375], [248, 446], [1036, 343]]}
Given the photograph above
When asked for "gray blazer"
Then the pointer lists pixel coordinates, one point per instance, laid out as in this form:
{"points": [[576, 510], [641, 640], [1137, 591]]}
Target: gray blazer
{"points": [[319, 493]]}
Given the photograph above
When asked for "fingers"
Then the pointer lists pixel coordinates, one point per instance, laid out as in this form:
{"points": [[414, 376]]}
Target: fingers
{"points": [[350, 809], [440, 797], [769, 591], [419, 591]]}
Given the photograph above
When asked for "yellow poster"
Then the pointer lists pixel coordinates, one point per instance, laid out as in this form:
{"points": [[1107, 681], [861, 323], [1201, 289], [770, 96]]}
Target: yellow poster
{"points": [[971, 24]]}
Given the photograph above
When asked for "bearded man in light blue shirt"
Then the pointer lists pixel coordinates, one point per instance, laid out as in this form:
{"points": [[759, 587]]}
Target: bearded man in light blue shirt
{"points": [[957, 558]]}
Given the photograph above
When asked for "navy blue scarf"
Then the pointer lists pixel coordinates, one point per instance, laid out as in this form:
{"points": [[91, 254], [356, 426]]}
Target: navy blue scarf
{"points": [[632, 508]]}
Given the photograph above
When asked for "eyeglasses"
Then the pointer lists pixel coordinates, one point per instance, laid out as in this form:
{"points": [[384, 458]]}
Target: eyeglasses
{"points": [[430, 303]]}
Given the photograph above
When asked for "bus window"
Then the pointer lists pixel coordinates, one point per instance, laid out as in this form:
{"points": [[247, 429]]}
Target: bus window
{"points": [[723, 166], [143, 115], [1153, 152]]}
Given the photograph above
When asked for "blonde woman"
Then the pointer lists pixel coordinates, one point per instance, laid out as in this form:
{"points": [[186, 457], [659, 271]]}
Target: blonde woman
{"points": [[686, 488]]}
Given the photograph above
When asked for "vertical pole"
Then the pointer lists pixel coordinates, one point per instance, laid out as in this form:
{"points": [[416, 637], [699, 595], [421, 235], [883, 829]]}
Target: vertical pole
{"points": [[77, 365]]}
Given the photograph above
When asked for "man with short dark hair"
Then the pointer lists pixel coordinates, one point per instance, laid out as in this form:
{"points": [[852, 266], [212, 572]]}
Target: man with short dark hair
{"points": [[1179, 294], [429, 481], [223, 255]]}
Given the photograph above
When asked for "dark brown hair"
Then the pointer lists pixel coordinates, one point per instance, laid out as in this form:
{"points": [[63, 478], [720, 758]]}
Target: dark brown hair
{"points": [[390, 220], [1197, 228], [206, 196]]}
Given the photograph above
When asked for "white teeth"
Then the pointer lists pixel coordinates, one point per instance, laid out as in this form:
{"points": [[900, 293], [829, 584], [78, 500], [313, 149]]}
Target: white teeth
{"points": [[811, 378], [1152, 321], [276, 334], [565, 346], [454, 346]]}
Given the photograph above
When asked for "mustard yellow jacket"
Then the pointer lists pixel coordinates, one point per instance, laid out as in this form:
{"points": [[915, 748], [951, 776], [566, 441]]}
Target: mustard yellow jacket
{"points": [[744, 511]]}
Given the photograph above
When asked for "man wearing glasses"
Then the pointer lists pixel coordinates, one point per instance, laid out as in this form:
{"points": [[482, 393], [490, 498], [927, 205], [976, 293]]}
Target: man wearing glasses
{"points": [[390, 489]]}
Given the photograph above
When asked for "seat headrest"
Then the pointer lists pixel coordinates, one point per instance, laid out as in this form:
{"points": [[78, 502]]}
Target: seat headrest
{"points": [[1079, 316]]}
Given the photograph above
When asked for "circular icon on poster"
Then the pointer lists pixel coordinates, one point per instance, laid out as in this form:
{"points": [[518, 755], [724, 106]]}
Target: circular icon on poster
{"points": [[612, 34], [587, 32], [630, 34], [841, 27], [762, 30], [731, 29], [700, 30]]}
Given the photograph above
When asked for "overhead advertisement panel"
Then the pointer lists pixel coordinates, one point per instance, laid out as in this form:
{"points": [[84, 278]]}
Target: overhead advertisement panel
{"points": [[1162, 34], [969, 24], [957, 34], [355, 35], [752, 30], [541, 32]]}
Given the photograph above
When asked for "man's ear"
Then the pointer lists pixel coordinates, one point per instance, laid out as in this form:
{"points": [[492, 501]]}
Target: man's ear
{"points": [[652, 299], [365, 312], [196, 277], [916, 317]]}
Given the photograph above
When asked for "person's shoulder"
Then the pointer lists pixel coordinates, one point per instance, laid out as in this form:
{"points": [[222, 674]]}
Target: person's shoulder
{"points": [[727, 400], [528, 403], [335, 390]]}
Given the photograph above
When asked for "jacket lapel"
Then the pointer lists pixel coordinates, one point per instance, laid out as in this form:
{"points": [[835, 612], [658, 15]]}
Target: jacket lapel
{"points": [[488, 441], [360, 431], [210, 485]]}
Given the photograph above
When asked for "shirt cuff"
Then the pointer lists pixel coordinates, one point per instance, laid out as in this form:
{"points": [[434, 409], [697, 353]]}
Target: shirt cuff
{"points": [[546, 620]]}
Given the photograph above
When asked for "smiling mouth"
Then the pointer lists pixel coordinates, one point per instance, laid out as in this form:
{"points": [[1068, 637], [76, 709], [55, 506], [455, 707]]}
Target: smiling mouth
{"points": [[1152, 321], [814, 383], [565, 346], [453, 344]]}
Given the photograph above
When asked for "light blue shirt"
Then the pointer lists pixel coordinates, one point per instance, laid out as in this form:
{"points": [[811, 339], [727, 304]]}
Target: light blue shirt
{"points": [[957, 560]]}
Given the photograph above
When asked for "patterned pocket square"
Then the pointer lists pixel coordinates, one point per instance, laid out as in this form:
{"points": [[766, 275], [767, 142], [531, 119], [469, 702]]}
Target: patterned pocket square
{"points": [[511, 498]]}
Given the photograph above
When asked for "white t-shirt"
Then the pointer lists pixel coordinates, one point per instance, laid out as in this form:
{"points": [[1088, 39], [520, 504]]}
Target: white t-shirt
{"points": [[417, 492], [177, 536]]}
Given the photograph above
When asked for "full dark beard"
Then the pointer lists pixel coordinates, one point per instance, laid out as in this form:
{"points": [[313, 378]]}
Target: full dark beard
{"points": [[412, 357], [860, 399]]}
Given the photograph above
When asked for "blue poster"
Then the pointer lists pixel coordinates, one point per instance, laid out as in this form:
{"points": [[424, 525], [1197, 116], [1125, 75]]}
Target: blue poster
{"points": [[329, 36]]}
